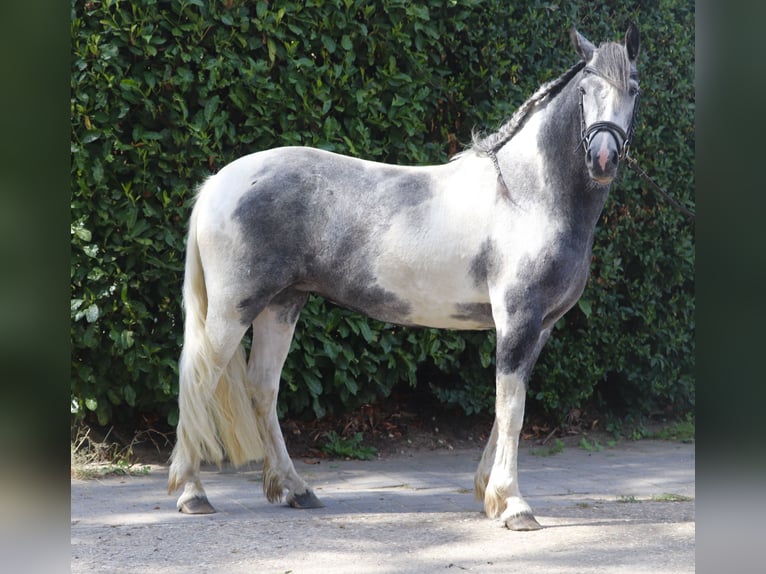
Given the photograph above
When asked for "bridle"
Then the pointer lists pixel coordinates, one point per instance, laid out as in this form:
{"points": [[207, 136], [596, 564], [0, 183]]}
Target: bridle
{"points": [[622, 138]]}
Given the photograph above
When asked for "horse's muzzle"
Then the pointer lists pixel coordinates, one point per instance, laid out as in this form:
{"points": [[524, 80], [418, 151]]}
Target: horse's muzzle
{"points": [[603, 156]]}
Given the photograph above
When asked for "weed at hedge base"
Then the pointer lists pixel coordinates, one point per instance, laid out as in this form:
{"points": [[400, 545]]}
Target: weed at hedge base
{"points": [[594, 446], [351, 447], [90, 458], [555, 448]]}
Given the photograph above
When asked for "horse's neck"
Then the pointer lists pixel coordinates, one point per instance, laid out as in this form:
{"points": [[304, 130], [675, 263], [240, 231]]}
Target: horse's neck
{"points": [[551, 140]]}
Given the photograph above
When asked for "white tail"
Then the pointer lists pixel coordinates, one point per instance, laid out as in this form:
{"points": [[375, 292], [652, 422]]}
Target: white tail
{"points": [[216, 416]]}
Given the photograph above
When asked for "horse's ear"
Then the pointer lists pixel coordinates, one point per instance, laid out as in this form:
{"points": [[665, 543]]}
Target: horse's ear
{"points": [[631, 41], [581, 44]]}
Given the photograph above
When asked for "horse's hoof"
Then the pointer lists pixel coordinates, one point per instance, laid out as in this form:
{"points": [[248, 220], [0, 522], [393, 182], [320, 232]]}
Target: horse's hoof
{"points": [[522, 522], [196, 505], [306, 500]]}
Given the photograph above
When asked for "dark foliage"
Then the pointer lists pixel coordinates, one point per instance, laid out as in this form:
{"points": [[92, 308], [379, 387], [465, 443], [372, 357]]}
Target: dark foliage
{"points": [[164, 93]]}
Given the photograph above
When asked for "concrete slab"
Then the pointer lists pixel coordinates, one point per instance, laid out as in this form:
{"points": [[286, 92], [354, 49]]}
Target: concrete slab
{"points": [[628, 508]]}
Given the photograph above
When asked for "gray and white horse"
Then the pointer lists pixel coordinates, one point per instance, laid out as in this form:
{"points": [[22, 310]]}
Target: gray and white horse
{"points": [[500, 237]]}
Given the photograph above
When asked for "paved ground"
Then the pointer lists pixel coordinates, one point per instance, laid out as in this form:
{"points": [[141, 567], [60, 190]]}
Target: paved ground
{"points": [[628, 508]]}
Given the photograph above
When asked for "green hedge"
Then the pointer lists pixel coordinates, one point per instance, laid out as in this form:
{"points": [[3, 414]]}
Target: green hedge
{"points": [[166, 93]]}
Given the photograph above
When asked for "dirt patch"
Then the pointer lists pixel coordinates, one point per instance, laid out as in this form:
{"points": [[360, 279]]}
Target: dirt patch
{"points": [[392, 427], [396, 428]]}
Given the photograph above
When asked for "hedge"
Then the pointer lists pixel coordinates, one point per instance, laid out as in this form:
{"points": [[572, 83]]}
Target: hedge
{"points": [[166, 93]]}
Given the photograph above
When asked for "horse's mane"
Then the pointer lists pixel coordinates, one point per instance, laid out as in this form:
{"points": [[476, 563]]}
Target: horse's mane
{"points": [[489, 144]]}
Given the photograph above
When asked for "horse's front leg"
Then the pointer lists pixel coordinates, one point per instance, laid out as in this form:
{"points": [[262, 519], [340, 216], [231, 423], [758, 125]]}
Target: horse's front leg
{"points": [[502, 495], [518, 345]]}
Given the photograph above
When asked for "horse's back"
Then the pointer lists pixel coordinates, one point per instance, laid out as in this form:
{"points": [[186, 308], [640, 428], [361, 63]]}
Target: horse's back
{"points": [[307, 198]]}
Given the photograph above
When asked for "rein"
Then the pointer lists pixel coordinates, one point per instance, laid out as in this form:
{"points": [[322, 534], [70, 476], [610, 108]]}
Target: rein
{"points": [[690, 215]]}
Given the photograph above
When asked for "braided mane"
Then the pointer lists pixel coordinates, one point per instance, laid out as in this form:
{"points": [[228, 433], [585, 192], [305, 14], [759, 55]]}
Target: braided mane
{"points": [[489, 144]]}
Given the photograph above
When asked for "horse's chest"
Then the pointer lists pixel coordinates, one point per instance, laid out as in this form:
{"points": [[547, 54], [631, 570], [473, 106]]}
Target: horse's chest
{"points": [[552, 281]]}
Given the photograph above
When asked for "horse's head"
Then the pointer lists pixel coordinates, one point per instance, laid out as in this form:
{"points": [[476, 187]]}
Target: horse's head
{"points": [[608, 87]]}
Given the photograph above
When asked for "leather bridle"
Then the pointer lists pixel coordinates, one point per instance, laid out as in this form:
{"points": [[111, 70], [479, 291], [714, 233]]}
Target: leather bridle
{"points": [[622, 138]]}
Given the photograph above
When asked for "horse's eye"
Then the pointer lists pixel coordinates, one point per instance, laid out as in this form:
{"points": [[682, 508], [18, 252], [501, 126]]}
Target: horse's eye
{"points": [[582, 90], [633, 91]]}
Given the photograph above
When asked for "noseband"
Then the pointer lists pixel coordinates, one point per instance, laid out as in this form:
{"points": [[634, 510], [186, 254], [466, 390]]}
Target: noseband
{"points": [[621, 138]]}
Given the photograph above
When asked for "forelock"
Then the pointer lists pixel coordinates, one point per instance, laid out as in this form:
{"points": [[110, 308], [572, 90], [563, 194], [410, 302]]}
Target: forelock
{"points": [[611, 61]]}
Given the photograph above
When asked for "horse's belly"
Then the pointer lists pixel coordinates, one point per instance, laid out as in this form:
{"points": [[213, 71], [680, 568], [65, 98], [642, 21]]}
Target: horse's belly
{"points": [[460, 316], [437, 294]]}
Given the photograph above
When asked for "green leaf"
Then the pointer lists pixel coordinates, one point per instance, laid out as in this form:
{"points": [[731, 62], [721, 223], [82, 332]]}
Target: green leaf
{"points": [[92, 313], [81, 233], [126, 339], [98, 171], [366, 332], [90, 137], [113, 396], [319, 410], [585, 307], [186, 77], [329, 44], [130, 395], [351, 385], [90, 250], [330, 349], [313, 383], [261, 8], [211, 106]]}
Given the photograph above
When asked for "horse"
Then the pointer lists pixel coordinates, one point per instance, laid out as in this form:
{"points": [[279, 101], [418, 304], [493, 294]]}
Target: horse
{"points": [[498, 237]]}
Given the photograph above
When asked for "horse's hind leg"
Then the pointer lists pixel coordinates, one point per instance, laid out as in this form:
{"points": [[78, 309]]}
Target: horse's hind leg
{"points": [[272, 333], [211, 383]]}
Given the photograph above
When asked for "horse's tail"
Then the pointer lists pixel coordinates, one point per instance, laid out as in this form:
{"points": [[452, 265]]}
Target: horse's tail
{"points": [[216, 416]]}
